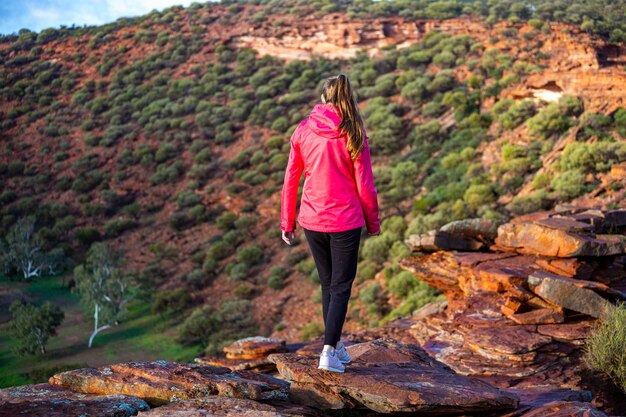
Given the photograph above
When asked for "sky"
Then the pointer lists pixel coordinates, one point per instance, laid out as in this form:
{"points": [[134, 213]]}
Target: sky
{"points": [[41, 14]]}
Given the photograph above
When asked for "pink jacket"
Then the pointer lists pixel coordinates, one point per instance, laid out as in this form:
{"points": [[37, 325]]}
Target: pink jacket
{"points": [[338, 194]]}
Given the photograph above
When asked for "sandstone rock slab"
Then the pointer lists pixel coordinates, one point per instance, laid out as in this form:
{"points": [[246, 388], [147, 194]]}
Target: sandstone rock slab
{"points": [[573, 297], [539, 316], [539, 395], [538, 239], [257, 365], [227, 407], [254, 347], [159, 382], [388, 377], [565, 409], [53, 401]]}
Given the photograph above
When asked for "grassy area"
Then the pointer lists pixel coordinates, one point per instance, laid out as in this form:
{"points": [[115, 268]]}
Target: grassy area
{"points": [[142, 336]]}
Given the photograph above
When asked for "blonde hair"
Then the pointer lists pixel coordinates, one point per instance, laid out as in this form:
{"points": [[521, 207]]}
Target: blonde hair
{"points": [[338, 91]]}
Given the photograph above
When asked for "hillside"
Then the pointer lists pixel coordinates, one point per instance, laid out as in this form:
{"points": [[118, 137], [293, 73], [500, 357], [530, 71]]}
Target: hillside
{"points": [[166, 136]]}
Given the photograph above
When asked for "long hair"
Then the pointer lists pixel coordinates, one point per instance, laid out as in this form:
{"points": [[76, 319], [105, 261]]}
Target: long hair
{"points": [[338, 91]]}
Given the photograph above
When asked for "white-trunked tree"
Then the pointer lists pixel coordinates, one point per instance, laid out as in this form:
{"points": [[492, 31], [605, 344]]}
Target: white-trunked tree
{"points": [[24, 248], [103, 286]]}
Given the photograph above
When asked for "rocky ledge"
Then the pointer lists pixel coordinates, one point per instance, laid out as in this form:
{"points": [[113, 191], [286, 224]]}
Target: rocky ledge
{"points": [[521, 299]]}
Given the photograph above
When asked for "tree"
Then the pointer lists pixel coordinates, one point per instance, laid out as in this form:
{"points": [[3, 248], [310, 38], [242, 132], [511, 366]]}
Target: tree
{"points": [[33, 325], [25, 247], [102, 286]]}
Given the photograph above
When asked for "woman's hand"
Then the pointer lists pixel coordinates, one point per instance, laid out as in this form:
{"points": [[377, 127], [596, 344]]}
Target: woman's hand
{"points": [[289, 237], [374, 234]]}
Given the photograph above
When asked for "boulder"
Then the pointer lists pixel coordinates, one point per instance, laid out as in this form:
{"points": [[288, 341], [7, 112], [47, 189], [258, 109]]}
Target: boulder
{"points": [[254, 347], [556, 239], [435, 240], [228, 407], [465, 235], [159, 382], [388, 377], [249, 353], [53, 401], [453, 272], [567, 294], [538, 277]]}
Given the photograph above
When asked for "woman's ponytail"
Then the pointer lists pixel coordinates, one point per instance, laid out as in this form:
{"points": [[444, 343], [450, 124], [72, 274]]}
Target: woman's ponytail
{"points": [[338, 90]]}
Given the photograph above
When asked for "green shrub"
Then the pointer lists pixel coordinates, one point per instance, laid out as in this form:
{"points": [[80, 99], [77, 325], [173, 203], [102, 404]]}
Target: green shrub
{"points": [[312, 330], [171, 301], [197, 278], [179, 220], [402, 284], [226, 221], [186, 199], [239, 271], [605, 346], [478, 195], [250, 254], [569, 184], [277, 277], [114, 228], [373, 299], [592, 157], [87, 235]]}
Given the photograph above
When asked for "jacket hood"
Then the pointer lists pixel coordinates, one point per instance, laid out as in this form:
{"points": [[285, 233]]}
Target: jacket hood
{"points": [[324, 120]]}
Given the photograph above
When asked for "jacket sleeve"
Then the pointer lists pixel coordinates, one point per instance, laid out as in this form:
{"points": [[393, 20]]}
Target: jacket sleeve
{"points": [[289, 197], [364, 179]]}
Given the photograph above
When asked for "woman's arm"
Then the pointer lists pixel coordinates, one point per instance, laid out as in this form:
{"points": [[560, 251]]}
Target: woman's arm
{"points": [[364, 179], [289, 197]]}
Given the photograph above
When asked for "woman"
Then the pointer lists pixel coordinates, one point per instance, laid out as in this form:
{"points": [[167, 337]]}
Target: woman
{"points": [[338, 199]]}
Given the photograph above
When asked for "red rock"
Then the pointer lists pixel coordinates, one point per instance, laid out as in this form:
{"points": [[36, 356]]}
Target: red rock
{"points": [[539, 316], [435, 240], [569, 267], [228, 407], [573, 297], [539, 395], [536, 239], [538, 277], [160, 381], [564, 224], [504, 339], [257, 365], [565, 409], [612, 218], [254, 347], [53, 401], [388, 377], [452, 272], [574, 332], [465, 235]]}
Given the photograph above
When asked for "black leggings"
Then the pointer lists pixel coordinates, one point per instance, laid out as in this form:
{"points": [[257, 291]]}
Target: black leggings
{"points": [[335, 255]]}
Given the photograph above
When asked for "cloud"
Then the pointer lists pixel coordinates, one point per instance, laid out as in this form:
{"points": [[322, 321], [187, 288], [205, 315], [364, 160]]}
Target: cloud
{"points": [[40, 14]]}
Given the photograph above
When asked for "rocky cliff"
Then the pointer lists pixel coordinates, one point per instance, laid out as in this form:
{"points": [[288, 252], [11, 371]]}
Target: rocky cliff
{"points": [[522, 298]]}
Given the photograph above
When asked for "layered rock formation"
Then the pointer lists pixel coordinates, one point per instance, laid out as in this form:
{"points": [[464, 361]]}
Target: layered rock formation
{"points": [[517, 315], [160, 382], [248, 353], [53, 401], [389, 377]]}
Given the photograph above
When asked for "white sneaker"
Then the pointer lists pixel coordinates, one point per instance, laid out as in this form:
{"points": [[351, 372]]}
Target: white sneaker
{"points": [[342, 353], [330, 362]]}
